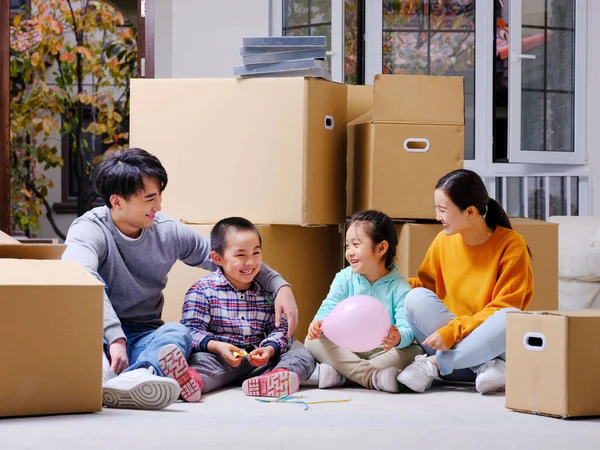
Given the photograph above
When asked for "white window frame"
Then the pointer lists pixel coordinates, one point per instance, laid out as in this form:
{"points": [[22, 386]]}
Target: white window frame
{"points": [[515, 153]]}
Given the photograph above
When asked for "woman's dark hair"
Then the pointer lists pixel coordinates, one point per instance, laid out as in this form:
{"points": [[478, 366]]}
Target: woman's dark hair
{"points": [[218, 234], [465, 188], [122, 173], [379, 227]]}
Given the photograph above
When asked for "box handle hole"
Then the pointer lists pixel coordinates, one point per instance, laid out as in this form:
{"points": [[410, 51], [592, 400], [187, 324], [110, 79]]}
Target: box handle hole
{"points": [[416, 145], [534, 342], [329, 122]]}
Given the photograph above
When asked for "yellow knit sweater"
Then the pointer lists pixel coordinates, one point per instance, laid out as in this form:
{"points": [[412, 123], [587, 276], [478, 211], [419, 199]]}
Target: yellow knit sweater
{"points": [[474, 282]]}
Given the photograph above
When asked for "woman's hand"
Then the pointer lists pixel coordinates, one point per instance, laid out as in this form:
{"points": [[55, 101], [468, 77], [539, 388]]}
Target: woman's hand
{"points": [[435, 342]]}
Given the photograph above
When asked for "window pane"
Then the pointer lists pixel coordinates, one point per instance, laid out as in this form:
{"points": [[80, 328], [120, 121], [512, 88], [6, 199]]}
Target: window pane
{"points": [[351, 42], [296, 31], [405, 53], [16, 4], [532, 120], [561, 48], [405, 15], [532, 70], [514, 197], [559, 125], [561, 13], [574, 196], [320, 12], [454, 15], [536, 195], [558, 196], [295, 14]]}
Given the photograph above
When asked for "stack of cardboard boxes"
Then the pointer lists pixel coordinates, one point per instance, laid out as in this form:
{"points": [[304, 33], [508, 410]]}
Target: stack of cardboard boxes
{"points": [[297, 156], [51, 332]]}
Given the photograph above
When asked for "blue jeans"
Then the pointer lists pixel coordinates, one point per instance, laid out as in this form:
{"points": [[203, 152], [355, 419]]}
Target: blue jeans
{"points": [[144, 342], [426, 313]]}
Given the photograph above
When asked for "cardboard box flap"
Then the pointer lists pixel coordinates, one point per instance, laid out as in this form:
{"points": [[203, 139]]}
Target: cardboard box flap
{"points": [[359, 100], [419, 99], [32, 251], [365, 118], [582, 313], [6, 239], [22, 272]]}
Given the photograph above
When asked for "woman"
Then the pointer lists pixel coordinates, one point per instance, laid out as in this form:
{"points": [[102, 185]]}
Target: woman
{"points": [[475, 271]]}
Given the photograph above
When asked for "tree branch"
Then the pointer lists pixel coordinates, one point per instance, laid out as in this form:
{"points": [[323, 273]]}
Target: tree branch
{"points": [[49, 214]]}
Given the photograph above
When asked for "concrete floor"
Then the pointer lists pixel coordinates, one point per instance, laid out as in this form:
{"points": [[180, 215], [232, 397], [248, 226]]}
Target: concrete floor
{"points": [[446, 417]]}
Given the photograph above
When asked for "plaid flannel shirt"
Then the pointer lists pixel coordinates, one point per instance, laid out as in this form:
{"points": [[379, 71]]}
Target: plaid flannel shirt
{"points": [[214, 309]]}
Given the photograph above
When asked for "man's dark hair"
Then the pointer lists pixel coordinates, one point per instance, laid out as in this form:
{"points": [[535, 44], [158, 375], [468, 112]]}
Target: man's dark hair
{"points": [[218, 235], [122, 173]]}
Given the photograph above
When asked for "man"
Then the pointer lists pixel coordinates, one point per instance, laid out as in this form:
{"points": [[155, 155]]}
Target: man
{"points": [[131, 247]]}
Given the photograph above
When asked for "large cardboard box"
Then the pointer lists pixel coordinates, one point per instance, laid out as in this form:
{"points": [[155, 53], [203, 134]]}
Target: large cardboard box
{"points": [[51, 325], [553, 362], [273, 148], [307, 257], [541, 237], [398, 151]]}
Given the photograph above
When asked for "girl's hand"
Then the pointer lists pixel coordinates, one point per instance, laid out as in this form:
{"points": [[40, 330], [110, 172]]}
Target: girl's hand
{"points": [[435, 342], [314, 329], [392, 339]]}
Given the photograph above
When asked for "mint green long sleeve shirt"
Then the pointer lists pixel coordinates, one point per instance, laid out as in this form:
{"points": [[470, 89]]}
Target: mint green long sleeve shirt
{"points": [[391, 290]]}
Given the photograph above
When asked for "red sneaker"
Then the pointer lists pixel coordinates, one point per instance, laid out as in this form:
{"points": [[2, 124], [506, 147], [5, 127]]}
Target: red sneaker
{"points": [[175, 366], [277, 383]]}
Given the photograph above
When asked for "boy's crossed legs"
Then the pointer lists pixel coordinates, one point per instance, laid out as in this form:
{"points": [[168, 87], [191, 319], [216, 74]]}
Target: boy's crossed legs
{"points": [[280, 376]]}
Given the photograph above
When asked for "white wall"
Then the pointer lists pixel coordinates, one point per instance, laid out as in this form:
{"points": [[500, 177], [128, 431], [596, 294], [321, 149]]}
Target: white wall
{"points": [[201, 38], [593, 99]]}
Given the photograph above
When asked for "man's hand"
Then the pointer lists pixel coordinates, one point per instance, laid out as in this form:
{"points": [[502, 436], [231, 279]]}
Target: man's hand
{"points": [[261, 356], [225, 351], [314, 329], [118, 356], [392, 338], [435, 342], [286, 304]]}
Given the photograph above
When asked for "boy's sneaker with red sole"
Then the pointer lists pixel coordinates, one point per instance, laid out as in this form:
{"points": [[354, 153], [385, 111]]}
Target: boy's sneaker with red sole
{"points": [[175, 366], [277, 383]]}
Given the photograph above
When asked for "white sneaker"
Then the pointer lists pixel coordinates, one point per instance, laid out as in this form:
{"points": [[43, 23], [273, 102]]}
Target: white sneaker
{"points": [[140, 389], [386, 380], [329, 377], [107, 373], [491, 376], [419, 375]]}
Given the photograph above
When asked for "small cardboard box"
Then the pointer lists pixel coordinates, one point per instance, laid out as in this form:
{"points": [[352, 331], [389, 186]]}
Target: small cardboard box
{"points": [[51, 333], [397, 152], [273, 148], [541, 237], [552, 363], [306, 257]]}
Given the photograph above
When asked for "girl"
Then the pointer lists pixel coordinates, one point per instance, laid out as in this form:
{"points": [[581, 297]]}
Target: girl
{"points": [[475, 271], [371, 242]]}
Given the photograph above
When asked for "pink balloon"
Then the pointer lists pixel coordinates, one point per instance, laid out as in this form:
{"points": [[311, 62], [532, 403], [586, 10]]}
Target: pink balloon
{"points": [[358, 323]]}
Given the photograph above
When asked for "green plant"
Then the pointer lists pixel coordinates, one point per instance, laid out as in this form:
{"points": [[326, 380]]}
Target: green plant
{"points": [[65, 58]]}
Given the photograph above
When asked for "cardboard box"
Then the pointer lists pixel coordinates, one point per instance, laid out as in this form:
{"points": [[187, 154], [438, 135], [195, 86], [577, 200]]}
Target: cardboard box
{"points": [[413, 136], [541, 237], [51, 333], [552, 363], [273, 148], [307, 257]]}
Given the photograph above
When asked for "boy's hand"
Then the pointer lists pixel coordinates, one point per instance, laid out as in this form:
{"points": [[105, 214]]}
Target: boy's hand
{"points": [[261, 356], [225, 351], [118, 356], [392, 338], [314, 329], [285, 303]]}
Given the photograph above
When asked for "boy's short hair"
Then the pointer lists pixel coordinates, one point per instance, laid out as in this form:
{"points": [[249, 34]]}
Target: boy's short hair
{"points": [[218, 235], [122, 173]]}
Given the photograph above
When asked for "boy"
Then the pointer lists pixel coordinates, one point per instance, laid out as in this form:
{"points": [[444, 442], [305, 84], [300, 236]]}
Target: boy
{"points": [[231, 320], [131, 247]]}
